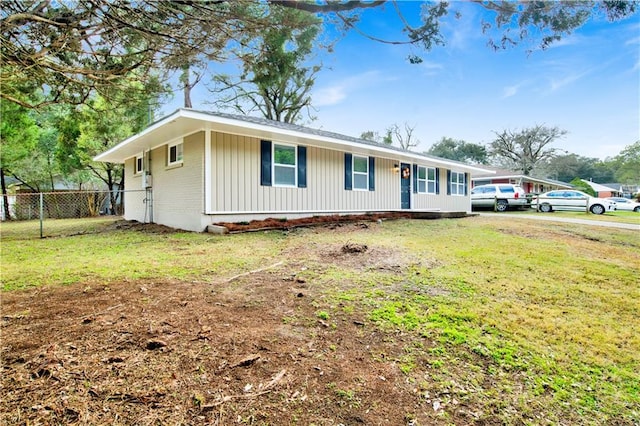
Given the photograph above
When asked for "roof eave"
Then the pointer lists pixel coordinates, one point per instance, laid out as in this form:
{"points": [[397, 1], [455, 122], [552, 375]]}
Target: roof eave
{"points": [[128, 148]]}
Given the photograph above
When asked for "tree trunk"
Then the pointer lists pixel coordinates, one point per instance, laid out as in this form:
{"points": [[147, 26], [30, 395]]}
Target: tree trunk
{"points": [[186, 81], [5, 198], [187, 96]]}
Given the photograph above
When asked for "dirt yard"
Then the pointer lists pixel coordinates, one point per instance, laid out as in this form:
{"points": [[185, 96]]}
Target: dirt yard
{"points": [[250, 349]]}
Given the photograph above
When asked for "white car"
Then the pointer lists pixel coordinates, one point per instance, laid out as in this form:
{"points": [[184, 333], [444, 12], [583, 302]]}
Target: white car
{"points": [[570, 199], [625, 204], [501, 195]]}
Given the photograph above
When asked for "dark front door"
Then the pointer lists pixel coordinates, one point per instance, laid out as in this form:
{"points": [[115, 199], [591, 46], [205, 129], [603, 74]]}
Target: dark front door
{"points": [[405, 186]]}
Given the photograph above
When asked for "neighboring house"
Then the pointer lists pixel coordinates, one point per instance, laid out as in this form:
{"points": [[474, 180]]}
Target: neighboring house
{"points": [[604, 191], [201, 168], [627, 191], [531, 185]]}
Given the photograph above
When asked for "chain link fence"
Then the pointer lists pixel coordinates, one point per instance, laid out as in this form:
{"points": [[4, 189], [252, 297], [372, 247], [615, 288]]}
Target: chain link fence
{"points": [[36, 211]]}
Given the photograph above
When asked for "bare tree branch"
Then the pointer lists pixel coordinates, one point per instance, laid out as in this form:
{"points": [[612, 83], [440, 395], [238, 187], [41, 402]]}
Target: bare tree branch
{"points": [[524, 149], [331, 6]]}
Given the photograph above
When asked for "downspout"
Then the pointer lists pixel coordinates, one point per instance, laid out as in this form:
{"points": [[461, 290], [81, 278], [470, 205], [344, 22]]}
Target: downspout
{"points": [[148, 185]]}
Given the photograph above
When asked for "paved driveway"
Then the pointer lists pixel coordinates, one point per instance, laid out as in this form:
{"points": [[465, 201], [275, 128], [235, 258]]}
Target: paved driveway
{"points": [[549, 218]]}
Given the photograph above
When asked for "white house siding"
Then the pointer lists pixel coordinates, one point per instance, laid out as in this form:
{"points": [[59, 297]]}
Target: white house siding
{"points": [[134, 206], [178, 199], [442, 201], [236, 188]]}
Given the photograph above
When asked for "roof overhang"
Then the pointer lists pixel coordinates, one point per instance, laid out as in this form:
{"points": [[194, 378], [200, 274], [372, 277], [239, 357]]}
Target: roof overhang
{"points": [[184, 122], [523, 177]]}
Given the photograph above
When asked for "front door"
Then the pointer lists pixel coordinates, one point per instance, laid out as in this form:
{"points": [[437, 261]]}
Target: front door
{"points": [[405, 186]]}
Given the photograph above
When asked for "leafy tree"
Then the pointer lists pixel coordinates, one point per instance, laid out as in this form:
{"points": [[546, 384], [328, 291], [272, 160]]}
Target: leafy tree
{"points": [[76, 48], [274, 79], [19, 135], [101, 126], [523, 150], [604, 171], [459, 150], [580, 185], [566, 167], [628, 164]]}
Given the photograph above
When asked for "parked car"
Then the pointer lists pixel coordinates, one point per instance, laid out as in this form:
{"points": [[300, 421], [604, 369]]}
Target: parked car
{"points": [[501, 195], [563, 199], [625, 204]]}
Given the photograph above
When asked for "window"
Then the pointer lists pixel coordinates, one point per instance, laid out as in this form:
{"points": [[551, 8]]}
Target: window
{"points": [[484, 190], [426, 180], [175, 154], [457, 183], [361, 173], [137, 165], [422, 180], [284, 165]]}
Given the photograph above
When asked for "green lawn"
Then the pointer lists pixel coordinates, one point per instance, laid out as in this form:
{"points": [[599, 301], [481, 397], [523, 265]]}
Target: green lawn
{"points": [[546, 312]]}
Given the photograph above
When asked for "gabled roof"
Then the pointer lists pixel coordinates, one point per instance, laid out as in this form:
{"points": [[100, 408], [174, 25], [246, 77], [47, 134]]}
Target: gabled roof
{"points": [[614, 186], [509, 174], [184, 121], [600, 188]]}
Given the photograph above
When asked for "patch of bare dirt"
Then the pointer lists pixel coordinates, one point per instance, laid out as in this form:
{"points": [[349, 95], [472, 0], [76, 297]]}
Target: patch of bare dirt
{"points": [[186, 353], [277, 223], [151, 228], [247, 350]]}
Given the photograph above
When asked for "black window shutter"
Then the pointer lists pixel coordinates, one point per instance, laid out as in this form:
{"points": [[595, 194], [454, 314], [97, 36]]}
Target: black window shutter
{"points": [[415, 178], [448, 182], [265, 163], [466, 183], [302, 166], [372, 177], [348, 170], [437, 180]]}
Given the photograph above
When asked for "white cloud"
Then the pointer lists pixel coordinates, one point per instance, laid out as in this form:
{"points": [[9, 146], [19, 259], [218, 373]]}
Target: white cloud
{"points": [[510, 91], [558, 83], [461, 30], [570, 40], [329, 95], [431, 68], [632, 41], [335, 93]]}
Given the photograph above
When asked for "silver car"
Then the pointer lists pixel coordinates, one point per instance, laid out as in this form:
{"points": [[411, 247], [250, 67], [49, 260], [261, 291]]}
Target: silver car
{"points": [[570, 199], [500, 196]]}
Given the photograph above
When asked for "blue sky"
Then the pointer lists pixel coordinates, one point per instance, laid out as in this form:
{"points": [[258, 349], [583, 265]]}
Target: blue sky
{"points": [[587, 84]]}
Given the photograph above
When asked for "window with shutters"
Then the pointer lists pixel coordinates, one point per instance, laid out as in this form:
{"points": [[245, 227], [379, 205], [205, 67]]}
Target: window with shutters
{"points": [[457, 183], [285, 165], [426, 180], [360, 173]]}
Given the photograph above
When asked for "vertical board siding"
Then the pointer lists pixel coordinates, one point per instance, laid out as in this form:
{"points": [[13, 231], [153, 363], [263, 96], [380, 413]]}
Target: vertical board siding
{"points": [[441, 201], [236, 185]]}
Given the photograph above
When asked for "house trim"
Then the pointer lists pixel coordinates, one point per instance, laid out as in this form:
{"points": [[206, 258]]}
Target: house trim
{"points": [[184, 122], [207, 170], [521, 178], [306, 212]]}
